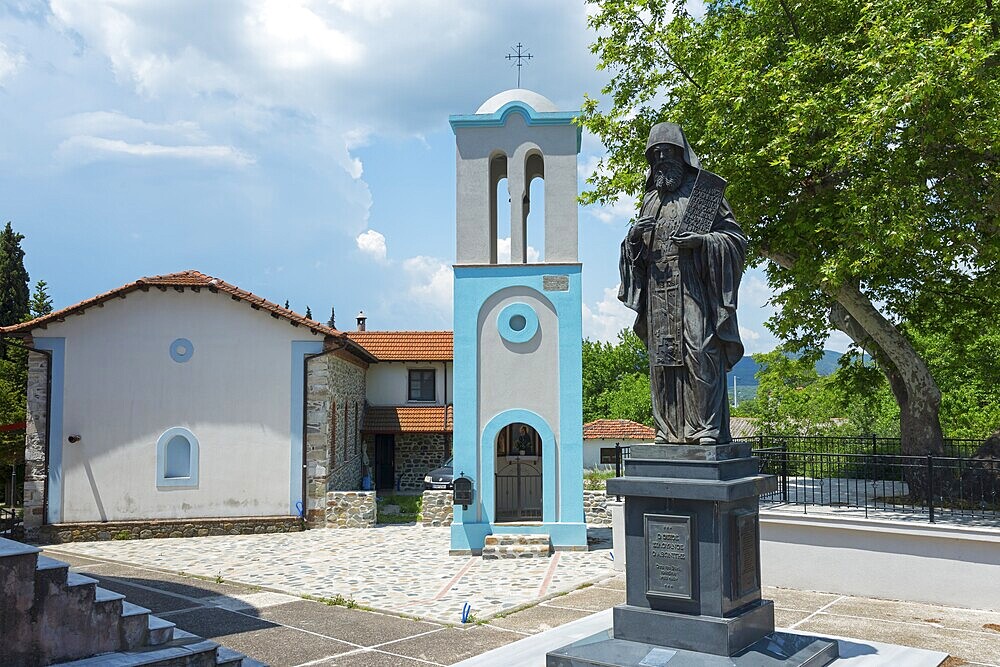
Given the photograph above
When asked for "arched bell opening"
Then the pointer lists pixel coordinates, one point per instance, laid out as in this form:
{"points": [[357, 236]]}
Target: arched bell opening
{"points": [[518, 473], [533, 209], [499, 203]]}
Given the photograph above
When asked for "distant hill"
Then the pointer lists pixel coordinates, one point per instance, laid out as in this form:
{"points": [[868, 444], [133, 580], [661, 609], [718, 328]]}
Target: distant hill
{"points": [[745, 370]]}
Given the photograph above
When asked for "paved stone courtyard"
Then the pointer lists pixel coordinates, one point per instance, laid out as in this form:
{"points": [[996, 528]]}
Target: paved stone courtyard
{"points": [[385, 565], [399, 569]]}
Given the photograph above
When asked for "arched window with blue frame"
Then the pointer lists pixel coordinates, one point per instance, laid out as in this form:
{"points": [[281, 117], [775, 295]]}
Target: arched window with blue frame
{"points": [[177, 458]]}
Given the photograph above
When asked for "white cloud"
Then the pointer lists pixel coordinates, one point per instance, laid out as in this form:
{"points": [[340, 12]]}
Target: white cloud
{"points": [[89, 149], [294, 37], [372, 244], [838, 341], [608, 317], [503, 252], [431, 284], [618, 212], [114, 123], [9, 62]]}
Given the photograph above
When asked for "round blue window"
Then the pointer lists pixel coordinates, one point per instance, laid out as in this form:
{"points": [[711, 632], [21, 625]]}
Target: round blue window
{"points": [[181, 350], [517, 323]]}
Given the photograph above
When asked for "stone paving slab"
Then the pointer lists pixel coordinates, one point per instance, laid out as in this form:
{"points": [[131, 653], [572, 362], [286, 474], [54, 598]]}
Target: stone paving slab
{"points": [[399, 569]]}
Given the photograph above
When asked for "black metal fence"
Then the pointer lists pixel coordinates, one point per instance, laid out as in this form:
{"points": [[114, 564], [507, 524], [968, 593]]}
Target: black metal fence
{"points": [[935, 487], [11, 500], [859, 444]]}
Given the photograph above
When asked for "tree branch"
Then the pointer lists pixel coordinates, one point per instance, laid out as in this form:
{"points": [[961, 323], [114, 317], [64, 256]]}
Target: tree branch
{"points": [[670, 58], [791, 19], [993, 19]]}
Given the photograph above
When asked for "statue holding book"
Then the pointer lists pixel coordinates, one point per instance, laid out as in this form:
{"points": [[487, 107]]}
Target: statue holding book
{"points": [[681, 264]]}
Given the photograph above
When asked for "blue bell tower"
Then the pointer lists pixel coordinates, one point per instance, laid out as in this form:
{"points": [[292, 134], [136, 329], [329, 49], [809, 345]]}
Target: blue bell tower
{"points": [[518, 431]]}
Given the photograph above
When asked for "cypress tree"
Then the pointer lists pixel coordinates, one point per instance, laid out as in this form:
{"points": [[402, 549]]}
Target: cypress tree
{"points": [[14, 293]]}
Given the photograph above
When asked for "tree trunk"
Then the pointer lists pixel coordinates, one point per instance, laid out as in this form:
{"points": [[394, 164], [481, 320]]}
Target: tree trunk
{"points": [[912, 384], [909, 378]]}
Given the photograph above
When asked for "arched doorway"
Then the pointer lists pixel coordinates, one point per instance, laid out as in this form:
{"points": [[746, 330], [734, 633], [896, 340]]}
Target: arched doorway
{"points": [[518, 473]]}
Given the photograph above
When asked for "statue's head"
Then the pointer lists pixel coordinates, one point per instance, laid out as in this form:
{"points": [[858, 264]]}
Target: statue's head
{"points": [[669, 155]]}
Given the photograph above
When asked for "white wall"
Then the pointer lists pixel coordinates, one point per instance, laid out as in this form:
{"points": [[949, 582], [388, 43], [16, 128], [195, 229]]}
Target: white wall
{"points": [[592, 450], [388, 382], [122, 390], [884, 559]]}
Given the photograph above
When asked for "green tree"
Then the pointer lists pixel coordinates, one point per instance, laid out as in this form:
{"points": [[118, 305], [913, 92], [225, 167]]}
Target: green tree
{"points": [[309, 313], [14, 308], [14, 291], [41, 302], [616, 379], [860, 140]]}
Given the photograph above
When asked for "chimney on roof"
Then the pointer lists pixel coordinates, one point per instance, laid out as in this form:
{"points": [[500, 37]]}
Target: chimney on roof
{"points": [[361, 320]]}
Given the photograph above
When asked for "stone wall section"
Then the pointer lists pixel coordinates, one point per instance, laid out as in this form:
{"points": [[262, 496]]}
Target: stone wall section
{"points": [[437, 508], [595, 509], [417, 454], [333, 454], [58, 533], [350, 509], [36, 424]]}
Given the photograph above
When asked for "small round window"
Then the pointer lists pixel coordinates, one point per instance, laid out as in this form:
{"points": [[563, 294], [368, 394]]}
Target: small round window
{"points": [[181, 350], [517, 323]]}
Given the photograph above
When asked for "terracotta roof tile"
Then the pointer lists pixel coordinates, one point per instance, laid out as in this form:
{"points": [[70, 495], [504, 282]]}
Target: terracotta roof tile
{"points": [[622, 429], [409, 419], [406, 345], [742, 427], [181, 280]]}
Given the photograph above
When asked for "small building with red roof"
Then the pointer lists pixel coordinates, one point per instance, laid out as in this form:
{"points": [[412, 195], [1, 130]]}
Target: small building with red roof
{"points": [[601, 435]]}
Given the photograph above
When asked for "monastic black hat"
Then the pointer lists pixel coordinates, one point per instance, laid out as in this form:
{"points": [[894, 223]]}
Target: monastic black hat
{"points": [[671, 133]]}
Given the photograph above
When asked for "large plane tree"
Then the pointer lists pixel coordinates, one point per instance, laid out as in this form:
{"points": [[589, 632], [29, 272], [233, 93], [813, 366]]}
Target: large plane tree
{"points": [[861, 141]]}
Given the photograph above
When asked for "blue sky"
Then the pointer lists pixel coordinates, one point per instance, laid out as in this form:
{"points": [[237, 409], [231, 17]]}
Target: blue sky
{"points": [[297, 148]]}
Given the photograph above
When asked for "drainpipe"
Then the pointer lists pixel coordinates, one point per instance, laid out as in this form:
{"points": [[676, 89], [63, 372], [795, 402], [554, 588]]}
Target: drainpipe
{"points": [[48, 417]]}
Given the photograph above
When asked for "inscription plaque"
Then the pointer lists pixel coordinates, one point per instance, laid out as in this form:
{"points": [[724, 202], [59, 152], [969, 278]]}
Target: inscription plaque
{"points": [[747, 527], [669, 559], [555, 283]]}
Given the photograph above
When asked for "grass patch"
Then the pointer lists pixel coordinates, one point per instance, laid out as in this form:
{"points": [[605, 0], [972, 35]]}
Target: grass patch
{"points": [[337, 600], [410, 508], [595, 479]]}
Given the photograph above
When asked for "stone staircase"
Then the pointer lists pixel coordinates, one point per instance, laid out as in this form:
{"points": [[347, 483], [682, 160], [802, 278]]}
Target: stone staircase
{"points": [[49, 615], [517, 546]]}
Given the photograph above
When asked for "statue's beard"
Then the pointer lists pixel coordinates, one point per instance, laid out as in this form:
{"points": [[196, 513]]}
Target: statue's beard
{"points": [[668, 175]]}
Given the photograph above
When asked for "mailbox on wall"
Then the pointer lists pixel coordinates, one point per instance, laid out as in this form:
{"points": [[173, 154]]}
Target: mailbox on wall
{"points": [[463, 491]]}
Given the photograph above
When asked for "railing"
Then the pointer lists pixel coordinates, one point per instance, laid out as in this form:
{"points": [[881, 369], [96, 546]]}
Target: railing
{"points": [[857, 444], [955, 488], [10, 523]]}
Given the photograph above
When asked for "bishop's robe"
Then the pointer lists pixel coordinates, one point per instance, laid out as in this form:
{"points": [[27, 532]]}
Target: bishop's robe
{"points": [[685, 303]]}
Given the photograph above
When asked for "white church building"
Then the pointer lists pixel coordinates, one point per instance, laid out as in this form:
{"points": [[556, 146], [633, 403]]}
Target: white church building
{"points": [[184, 398]]}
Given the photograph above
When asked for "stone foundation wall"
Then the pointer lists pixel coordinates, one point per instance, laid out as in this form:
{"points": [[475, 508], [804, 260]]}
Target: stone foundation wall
{"points": [[417, 454], [57, 533], [335, 402], [595, 510], [350, 509], [438, 508], [36, 421]]}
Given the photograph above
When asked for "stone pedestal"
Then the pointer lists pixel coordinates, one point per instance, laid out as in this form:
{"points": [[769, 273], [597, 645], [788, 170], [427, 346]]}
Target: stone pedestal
{"points": [[692, 543]]}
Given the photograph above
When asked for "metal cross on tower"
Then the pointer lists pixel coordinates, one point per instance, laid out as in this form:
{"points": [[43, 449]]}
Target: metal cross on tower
{"points": [[518, 56]]}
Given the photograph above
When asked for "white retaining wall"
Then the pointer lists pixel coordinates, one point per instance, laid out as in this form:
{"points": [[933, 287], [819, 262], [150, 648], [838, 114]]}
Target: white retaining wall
{"points": [[918, 562]]}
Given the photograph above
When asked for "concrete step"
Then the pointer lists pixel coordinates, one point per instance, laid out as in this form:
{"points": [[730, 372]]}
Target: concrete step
{"points": [[134, 626], [227, 657], [81, 586], [160, 631], [528, 545], [50, 572], [188, 650]]}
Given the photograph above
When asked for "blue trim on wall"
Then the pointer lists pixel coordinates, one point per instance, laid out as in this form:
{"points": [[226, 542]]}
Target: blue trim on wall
{"points": [[57, 346], [181, 344], [531, 117], [563, 521], [300, 348], [190, 482], [505, 323]]}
